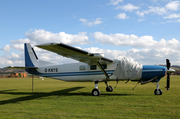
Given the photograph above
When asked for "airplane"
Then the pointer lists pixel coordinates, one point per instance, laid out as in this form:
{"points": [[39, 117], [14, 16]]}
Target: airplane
{"points": [[93, 67]]}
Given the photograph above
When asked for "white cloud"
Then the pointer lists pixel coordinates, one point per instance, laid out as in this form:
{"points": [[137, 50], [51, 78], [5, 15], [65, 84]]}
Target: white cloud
{"points": [[19, 46], [139, 20], [86, 22], [113, 54], [124, 40], [178, 20], [140, 14], [42, 36], [149, 51], [171, 16], [114, 2], [6, 48], [129, 7], [145, 49], [15, 55], [156, 10], [12, 59], [170, 21], [167, 22], [144, 56], [121, 16], [5, 62], [173, 5], [119, 39], [20, 41], [83, 20]]}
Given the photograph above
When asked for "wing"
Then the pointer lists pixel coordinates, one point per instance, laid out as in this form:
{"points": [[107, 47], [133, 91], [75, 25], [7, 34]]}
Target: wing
{"points": [[75, 53]]}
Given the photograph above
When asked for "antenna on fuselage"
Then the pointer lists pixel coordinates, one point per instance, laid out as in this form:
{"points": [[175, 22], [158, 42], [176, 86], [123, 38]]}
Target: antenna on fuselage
{"points": [[32, 82]]}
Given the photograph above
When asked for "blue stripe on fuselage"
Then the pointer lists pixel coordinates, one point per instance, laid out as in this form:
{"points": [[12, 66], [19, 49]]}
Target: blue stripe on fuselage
{"points": [[35, 72], [151, 71]]}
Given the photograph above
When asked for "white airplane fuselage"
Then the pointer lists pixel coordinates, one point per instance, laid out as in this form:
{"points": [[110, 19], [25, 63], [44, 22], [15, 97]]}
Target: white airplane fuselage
{"points": [[75, 72]]}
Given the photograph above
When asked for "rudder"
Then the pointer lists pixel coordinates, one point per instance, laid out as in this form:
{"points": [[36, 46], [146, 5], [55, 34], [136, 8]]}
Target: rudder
{"points": [[30, 56]]}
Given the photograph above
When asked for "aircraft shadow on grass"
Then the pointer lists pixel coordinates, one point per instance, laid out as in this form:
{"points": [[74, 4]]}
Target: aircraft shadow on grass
{"points": [[36, 95]]}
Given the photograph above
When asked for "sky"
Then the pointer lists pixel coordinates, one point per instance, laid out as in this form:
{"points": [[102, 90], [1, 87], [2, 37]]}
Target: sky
{"points": [[148, 31]]}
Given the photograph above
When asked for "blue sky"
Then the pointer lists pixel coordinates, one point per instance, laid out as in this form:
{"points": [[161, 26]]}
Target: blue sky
{"points": [[147, 31]]}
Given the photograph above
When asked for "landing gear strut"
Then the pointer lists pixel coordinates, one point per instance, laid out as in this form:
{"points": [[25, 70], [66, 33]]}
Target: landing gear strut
{"points": [[96, 91], [157, 91]]}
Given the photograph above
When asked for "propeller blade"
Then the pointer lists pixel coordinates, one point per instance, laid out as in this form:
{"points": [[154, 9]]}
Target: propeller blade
{"points": [[168, 64]]}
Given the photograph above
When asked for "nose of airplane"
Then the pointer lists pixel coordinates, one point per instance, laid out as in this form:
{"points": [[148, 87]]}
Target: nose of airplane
{"points": [[170, 71]]}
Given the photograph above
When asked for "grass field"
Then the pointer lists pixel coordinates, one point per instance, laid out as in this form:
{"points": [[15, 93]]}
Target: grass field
{"points": [[58, 99]]}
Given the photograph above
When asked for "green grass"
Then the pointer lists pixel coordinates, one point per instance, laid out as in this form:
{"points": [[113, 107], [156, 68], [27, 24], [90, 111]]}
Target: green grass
{"points": [[58, 99]]}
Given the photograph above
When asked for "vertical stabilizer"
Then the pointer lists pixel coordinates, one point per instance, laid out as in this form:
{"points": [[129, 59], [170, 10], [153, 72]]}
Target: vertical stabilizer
{"points": [[31, 59], [30, 56]]}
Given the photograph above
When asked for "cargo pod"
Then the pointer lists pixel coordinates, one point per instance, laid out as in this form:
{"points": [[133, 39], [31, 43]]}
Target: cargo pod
{"points": [[128, 69]]}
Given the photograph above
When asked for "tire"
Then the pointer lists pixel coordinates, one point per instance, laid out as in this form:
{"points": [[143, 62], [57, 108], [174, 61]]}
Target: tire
{"points": [[96, 92], [158, 92], [109, 89]]}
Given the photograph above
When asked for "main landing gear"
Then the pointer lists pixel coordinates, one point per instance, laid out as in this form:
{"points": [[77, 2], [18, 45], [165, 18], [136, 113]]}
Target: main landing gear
{"points": [[97, 92], [109, 89], [157, 91]]}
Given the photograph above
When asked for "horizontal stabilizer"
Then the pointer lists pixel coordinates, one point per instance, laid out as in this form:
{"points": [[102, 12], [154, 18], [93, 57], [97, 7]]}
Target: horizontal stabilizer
{"points": [[16, 67]]}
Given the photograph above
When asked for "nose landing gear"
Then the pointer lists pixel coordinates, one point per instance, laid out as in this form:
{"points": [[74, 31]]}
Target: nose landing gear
{"points": [[157, 91]]}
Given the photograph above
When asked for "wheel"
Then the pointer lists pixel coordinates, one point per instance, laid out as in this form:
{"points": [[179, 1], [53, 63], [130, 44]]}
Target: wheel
{"points": [[109, 89], [96, 92], [158, 92]]}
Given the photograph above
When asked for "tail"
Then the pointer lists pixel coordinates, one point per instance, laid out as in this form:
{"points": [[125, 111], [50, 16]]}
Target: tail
{"points": [[31, 59]]}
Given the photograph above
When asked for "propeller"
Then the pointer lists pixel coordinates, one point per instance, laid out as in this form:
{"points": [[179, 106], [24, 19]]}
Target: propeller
{"points": [[168, 65]]}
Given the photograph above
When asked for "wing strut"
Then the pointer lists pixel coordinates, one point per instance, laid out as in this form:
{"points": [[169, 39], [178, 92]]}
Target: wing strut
{"points": [[102, 69]]}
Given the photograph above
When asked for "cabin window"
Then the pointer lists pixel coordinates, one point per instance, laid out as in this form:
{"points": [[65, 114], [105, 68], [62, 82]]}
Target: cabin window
{"points": [[104, 66], [93, 67], [82, 67]]}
